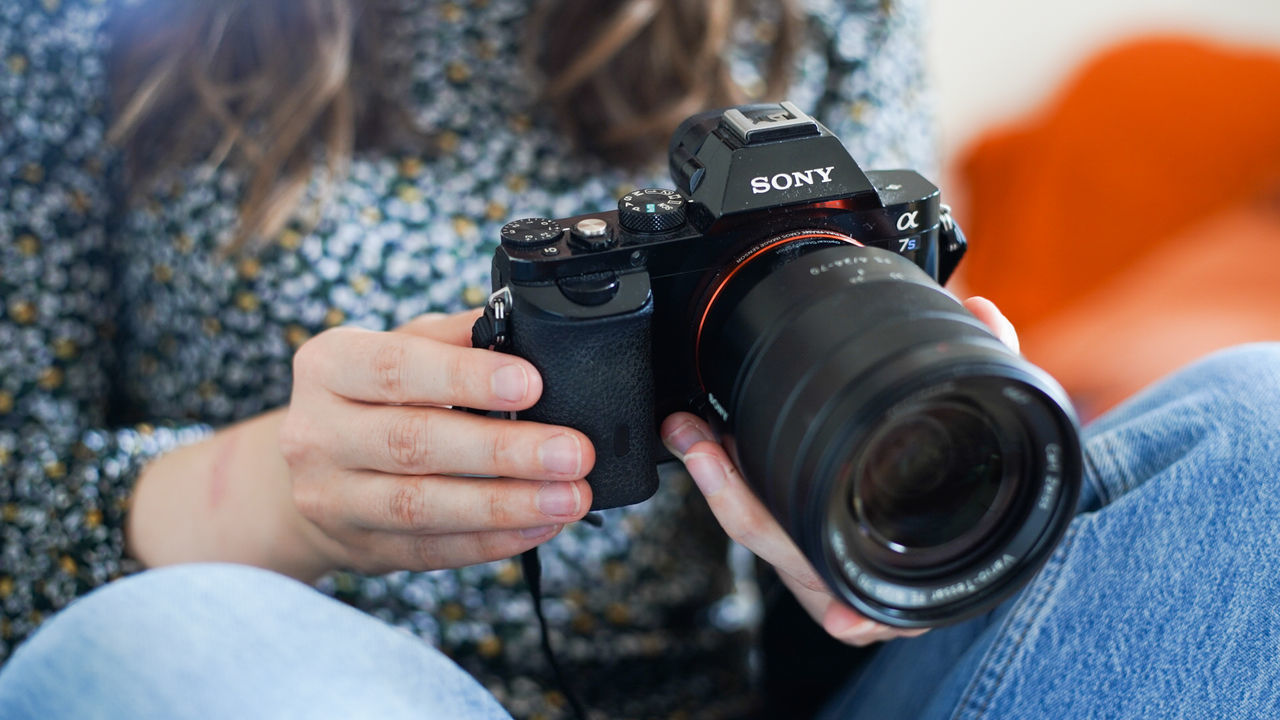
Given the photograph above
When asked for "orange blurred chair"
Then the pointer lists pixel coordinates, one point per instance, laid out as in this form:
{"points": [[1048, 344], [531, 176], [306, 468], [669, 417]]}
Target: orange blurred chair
{"points": [[1134, 223]]}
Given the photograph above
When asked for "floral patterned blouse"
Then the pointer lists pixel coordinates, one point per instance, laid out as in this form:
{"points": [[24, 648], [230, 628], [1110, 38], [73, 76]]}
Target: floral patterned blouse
{"points": [[124, 333]]}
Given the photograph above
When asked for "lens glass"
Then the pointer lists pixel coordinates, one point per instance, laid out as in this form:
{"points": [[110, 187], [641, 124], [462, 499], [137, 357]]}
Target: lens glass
{"points": [[928, 477]]}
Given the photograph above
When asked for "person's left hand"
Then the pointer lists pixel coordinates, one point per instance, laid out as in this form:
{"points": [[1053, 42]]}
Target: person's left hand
{"points": [[749, 523]]}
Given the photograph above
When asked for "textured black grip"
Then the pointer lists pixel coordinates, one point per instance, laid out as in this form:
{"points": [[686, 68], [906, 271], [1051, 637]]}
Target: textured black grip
{"points": [[597, 377]]}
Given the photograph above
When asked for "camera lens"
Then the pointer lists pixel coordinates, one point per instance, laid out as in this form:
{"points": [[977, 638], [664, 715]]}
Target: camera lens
{"points": [[925, 469], [928, 478]]}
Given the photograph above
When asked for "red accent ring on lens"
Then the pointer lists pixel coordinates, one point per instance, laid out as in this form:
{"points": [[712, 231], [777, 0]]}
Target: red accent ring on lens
{"points": [[706, 309]]}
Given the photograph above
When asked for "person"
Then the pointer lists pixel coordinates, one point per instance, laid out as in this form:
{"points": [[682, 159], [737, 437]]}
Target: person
{"points": [[240, 239], [205, 327]]}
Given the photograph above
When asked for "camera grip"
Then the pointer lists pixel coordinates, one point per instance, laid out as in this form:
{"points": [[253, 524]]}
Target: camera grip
{"points": [[597, 377]]}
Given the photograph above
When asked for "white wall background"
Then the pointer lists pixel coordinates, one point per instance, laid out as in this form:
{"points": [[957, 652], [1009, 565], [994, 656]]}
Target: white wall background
{"points": [[993, 60]]}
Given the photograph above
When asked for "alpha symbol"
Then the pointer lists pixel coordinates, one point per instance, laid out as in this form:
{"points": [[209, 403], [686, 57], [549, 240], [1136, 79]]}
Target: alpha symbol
{"points": [[907, 220]]}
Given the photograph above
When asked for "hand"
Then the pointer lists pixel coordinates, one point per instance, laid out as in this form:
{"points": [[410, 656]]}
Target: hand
{"points": [[377, 456], [748, 522]]}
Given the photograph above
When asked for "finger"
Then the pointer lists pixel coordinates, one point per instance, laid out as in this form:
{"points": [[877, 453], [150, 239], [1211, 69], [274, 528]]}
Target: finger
{"points": [[397, 367], [387, 552], [843, 622], [838, 620], [742, 515], [414, 440], [452, 328], [442, 504], [746, 520], [681, 431], [817, 603], [988, 313]]}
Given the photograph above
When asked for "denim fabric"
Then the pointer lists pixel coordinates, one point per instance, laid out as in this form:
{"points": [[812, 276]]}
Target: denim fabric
{"points": [[229, 641], [1162, 600]]}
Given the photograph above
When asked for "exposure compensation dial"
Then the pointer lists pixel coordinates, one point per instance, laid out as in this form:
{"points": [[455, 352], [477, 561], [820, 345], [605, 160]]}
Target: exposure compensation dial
{"points": [[530, 233]]}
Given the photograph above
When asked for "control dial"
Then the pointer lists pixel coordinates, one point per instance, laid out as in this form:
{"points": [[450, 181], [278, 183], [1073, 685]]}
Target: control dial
{"points": [[530, 233], [651, 210]]}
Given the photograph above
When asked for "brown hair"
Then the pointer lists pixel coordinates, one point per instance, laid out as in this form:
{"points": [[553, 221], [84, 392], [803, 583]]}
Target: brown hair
{"points": [[274, 86]]}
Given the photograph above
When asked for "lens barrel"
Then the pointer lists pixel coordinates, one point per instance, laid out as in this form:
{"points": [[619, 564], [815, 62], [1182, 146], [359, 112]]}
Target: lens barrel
{"points": [[925, 469]]}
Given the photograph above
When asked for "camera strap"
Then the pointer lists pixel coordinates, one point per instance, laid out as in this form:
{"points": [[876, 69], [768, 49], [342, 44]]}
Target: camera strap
{"points": [[531, 565], [491, 332]]}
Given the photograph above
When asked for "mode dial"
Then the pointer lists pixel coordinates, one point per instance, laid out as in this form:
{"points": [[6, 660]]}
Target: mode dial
{"points": [[530, 232], [651, 210]]}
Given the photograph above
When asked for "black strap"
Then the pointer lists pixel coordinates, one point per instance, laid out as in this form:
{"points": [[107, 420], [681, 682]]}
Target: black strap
{"points": [[490, 332], [532, 567]]}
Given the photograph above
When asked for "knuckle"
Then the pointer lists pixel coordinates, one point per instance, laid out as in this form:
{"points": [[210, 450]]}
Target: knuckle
{"points": [[304, 358], [496, 450], [809, 580], [490, 546], [404, 506], [456, 373], [292, 440], [388, 366], [425, 553], [746, 533], [408, 440], [309, 502], [309, 359], [741, 536], [500, 515], [500, 448]]}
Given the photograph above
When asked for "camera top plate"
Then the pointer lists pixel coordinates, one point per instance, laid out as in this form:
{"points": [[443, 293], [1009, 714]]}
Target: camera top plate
{"points": [[764, 124]]}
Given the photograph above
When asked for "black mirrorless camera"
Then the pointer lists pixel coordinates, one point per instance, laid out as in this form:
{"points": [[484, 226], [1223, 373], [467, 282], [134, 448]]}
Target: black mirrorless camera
{"points": [[924, 469]]}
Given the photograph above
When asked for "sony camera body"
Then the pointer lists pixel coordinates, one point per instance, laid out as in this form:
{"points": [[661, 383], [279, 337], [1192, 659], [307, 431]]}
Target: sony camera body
{"points": [[784, 292], [607, 305]]}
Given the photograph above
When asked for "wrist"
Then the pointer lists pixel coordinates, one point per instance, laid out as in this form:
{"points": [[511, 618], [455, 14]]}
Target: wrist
{"points": [[276, 535], [226, 499]]}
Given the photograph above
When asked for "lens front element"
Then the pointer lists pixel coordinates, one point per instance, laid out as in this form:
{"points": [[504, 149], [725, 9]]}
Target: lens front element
{"points": [[928, 477]]}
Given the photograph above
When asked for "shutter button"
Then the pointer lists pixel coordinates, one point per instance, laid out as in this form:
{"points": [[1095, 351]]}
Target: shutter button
{"points": [[592, 234]]}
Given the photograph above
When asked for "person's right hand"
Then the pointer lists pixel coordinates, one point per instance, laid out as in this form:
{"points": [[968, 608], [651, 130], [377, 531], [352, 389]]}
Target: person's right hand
{"points": [[377, 457]]}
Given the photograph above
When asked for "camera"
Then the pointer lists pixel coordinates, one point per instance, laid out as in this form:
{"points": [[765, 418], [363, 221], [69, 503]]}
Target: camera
{"points": [[924, 469]]}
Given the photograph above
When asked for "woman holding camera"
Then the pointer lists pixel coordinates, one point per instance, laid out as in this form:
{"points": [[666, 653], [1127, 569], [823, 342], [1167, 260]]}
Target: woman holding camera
{"points": [[245, 237], [236, 334]]}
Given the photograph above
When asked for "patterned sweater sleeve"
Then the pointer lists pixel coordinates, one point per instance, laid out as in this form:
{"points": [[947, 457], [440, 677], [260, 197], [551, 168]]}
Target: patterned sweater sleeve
{"points": [[66, 468]]}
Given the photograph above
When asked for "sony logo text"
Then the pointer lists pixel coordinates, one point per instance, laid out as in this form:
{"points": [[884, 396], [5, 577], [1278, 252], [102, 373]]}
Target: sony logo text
{"points": [[788, 180]]}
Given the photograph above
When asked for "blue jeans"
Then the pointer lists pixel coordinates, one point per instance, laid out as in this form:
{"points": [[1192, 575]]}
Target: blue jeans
{"points": [[229, 642], [1160, 603]]}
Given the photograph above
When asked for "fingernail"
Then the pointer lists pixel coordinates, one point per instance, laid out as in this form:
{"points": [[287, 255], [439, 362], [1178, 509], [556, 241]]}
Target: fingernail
{"points": [[840, 621], [685, 436], [510, 382], [537, 532], [861, 633], [561, 454], [559, 499], [707, 472]]}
